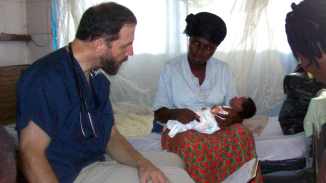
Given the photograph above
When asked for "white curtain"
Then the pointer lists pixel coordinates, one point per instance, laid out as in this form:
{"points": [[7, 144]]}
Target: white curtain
{"points": [[255, 47]]}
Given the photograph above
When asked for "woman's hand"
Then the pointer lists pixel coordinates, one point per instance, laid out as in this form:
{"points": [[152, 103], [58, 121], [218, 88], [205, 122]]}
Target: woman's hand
{"points": [[186, 115], [230, 118]]}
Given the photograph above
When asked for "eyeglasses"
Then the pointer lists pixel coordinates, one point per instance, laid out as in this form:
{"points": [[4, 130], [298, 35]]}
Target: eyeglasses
{"points": [[82, 97]]}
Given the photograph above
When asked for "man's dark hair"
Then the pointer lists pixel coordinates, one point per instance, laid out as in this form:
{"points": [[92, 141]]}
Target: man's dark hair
{"points": [[305, 27], [104, 21], [206, 25], [249, 109]]}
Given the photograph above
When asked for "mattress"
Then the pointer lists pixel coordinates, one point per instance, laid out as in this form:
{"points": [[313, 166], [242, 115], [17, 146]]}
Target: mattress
{"points": [[271, 144], [152, 142]]}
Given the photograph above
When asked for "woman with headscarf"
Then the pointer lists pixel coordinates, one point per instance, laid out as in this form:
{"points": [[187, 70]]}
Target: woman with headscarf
{"points": [[195, 80]]}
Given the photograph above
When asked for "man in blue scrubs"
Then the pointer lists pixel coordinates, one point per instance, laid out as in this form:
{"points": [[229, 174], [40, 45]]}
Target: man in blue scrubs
{"points": [[64, 115]]}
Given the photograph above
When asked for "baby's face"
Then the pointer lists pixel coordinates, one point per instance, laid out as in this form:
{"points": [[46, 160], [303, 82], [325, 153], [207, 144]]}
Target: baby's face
{"points": [[236, 103]]}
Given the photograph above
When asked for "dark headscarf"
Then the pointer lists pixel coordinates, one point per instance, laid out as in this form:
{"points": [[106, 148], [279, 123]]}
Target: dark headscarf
{"points": [[206, 25]]}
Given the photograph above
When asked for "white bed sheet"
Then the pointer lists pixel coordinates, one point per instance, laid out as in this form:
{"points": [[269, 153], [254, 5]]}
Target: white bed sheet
{"points": [[271, 144], [151, 142]]}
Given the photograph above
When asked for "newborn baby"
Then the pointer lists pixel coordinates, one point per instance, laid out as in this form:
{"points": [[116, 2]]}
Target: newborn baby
{"points": [[207, 122]]}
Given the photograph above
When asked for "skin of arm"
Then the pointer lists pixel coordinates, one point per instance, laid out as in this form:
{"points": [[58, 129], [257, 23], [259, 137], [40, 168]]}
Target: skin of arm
{"points": [[120, 150], [33, 142], [321, 175], [231, 118], [182, 115]]}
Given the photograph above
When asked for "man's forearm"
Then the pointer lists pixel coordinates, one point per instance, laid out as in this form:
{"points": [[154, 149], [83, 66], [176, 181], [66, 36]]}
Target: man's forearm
{"points": [[36, 168], [120, 150]]}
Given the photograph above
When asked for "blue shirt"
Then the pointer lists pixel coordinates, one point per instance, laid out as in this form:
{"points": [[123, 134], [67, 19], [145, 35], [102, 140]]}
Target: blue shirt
{"points": [[47, 95]]}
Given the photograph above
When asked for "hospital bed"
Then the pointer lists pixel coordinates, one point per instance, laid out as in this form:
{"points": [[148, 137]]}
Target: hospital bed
{"points": [[281, 156], [277, 153]]}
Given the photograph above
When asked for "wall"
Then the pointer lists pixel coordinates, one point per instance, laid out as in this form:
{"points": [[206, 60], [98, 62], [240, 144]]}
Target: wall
{"points": [[39, 26], [25, 17], [13, 21]]}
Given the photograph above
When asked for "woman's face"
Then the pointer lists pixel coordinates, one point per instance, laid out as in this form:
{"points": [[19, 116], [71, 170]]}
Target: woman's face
{"points": [[200, 50]]}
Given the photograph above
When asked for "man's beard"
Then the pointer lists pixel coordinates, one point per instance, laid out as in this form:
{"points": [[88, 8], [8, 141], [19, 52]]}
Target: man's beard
{"points": [[111, 65]]}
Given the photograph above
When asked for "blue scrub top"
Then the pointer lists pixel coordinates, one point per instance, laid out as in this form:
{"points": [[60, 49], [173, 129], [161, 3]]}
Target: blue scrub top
{"points": [[47, 95]]}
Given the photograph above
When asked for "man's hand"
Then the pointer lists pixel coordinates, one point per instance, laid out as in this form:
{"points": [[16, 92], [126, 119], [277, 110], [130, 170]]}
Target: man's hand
{"points": [[147, 171], [231, 118], [186, 115], [119, 149]]}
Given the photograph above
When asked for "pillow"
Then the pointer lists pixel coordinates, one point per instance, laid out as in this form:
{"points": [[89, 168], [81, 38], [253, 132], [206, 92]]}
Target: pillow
{"points": [[133, 125], [256, 124]]}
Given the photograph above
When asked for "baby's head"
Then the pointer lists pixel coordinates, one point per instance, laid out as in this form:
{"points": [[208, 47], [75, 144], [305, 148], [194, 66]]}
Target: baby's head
{"points": [[245, 106]]}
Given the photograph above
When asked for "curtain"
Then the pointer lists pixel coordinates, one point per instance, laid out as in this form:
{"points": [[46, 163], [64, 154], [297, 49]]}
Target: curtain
{"points": [[255, 47]]}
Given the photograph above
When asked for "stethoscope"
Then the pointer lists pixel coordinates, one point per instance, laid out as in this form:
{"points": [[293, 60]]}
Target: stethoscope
{"points": [[83, 97]]}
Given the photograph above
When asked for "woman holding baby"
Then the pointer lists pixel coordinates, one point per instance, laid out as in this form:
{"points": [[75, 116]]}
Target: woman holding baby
{"points": [[195, 80]]}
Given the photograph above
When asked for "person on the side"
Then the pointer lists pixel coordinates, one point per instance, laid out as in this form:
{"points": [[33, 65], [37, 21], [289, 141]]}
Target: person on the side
{"points": [[8, 170], [306, 33]]}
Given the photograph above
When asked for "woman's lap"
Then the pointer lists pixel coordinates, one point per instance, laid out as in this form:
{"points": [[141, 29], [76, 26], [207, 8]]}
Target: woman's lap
{"points": [[212, 158]]}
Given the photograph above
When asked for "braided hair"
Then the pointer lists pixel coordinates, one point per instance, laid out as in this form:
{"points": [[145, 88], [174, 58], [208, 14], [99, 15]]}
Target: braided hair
{"points": [[305, 28]]}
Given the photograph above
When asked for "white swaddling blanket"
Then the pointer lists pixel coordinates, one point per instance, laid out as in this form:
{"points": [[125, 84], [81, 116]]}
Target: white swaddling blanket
{"points": [[206, 125]]}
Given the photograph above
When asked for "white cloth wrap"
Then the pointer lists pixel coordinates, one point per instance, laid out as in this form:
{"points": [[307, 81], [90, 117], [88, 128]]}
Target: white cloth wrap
{"points": [[206, 125]]}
